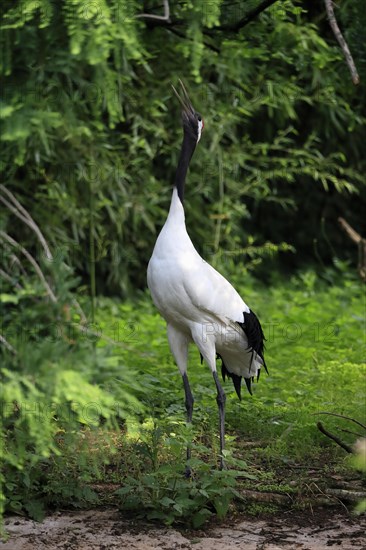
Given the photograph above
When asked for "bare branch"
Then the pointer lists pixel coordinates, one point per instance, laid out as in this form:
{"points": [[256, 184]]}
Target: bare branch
{"points": [[14, 210], [353, 235], [10, 279], [341, 41], [166, 20], [250, 16], [344, 430], [334, 438], [175, 31], [8, 346], [165, 17], [30, 258], [361, 243], [15, 260], [342, 416], [80, 310], [24, 215]]}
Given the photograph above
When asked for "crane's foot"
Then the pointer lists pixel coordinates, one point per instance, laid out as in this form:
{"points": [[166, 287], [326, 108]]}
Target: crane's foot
{"points": [[188, 473]]}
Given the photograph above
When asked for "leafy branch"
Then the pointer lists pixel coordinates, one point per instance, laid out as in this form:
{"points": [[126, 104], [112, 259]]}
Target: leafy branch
{"points": [[167, 21], [18, 210]]}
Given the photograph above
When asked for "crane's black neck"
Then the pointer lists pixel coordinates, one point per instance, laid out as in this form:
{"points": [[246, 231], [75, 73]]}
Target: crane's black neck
{"points": [[186, 152]]}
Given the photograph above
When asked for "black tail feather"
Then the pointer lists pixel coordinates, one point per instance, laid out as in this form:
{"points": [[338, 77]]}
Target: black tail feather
{"points": [[235, 378], [254, 333], [248, 382]]}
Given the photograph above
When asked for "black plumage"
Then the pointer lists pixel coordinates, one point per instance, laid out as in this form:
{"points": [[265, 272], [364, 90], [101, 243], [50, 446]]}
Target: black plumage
{"points": [[235, 378], [254, 333]]}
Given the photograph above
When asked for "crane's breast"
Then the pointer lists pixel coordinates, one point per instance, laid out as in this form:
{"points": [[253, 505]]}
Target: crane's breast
{"points": [[165, 279]]}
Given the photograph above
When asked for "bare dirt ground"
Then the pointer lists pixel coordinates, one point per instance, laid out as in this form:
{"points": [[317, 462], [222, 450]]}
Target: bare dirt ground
{"points": [[109, 529]]}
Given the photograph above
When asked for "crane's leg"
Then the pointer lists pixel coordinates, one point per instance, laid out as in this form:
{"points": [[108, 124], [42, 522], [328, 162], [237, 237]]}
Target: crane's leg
{"points": [[221, 398], [189, 398], [204, 336], [178, 342], [189, 407]]}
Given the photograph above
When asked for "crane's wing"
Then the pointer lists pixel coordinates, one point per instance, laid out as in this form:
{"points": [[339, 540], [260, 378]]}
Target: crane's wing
{"points": [[211, 293]]}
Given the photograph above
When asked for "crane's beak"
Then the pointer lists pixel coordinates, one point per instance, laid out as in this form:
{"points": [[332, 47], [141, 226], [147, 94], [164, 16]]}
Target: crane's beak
{"points": [[184, 100]]}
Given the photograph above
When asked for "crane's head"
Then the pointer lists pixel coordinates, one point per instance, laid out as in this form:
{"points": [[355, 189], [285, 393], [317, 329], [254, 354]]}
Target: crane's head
{"points": [[192, 121]]}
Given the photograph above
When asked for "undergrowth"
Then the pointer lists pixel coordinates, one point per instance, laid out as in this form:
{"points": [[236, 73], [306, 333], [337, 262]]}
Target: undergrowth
{"points": [[111, 412]]}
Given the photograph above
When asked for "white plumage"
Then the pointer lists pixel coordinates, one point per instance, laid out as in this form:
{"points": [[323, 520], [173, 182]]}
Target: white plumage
{"points": [[198, 303]]}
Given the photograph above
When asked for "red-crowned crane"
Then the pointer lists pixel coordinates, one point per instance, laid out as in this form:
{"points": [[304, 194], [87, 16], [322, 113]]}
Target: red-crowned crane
{"points": [[198, 304]]}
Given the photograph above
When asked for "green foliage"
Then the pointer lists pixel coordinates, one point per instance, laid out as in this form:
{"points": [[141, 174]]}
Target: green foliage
{"points": [[64, 403], [167, 496], [50, 380], [90, 134], [90, 138], [165, 493], [42, 419], [359, 462], [314, 331]]}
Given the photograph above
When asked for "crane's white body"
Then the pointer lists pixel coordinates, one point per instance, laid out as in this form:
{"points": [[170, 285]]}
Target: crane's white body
{"points": [[198, 304]]}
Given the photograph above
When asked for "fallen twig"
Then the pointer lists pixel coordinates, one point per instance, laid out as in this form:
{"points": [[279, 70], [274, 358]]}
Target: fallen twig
{"points": [[334, 438], [342, 416], [261, 496], [344, 430], [345, 494]]}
